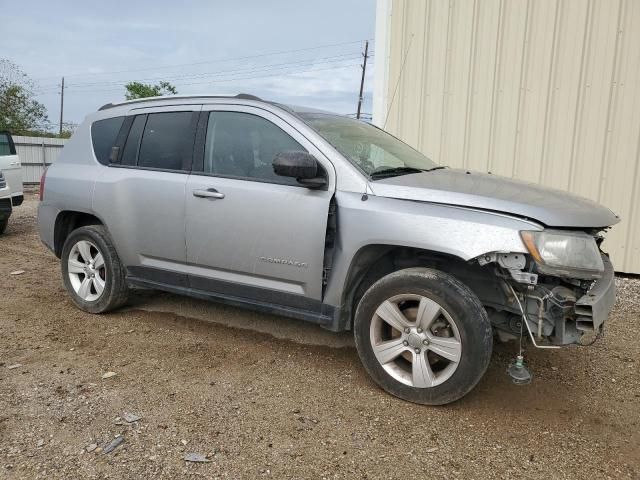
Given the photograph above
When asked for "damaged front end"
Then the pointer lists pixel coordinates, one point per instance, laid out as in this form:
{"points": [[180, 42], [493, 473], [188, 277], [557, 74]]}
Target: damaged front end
{"points": [[565, 297]]}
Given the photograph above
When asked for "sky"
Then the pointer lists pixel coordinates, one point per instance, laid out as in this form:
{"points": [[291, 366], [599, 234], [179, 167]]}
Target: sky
{"points": [[297, 52]]}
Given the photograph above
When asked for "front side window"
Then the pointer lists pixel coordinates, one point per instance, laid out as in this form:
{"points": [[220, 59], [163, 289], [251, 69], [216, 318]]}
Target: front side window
{"points": [[103, 136], [372, 150], [244, 145], [167, 140], [6, 145]]}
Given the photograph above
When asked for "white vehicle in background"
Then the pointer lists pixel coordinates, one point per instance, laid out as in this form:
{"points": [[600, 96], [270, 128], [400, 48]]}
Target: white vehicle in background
{"points": [[5, 203], [11, 168]]}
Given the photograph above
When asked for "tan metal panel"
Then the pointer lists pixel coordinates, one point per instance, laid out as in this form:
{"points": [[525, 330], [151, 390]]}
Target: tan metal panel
{"points": [[619, 182], [482, 85], [459, 62], [509, 86], [433, 74], [543, 90], [568, 72]]}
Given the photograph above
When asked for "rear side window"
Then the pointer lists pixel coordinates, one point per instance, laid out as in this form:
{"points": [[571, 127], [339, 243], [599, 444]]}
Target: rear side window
{"points": [[6, 145], [130, 153], [103, 136], [167, 141]]}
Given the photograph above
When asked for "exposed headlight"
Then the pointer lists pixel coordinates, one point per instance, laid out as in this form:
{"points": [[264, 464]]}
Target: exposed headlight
{"points": [[564, 254]]}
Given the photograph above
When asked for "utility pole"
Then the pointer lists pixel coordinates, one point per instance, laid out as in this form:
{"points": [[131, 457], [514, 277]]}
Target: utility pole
{"points": [[364, 69], [61, 104]]}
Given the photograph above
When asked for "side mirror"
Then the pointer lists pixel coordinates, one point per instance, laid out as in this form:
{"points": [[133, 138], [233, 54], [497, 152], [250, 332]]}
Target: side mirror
{"points": [[299, 165]]}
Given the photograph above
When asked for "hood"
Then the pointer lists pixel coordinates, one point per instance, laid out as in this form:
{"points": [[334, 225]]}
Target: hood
{"points": [[551, 207]]}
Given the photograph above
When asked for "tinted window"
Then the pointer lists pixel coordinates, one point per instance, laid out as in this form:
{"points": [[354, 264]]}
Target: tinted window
{"points": [[167, 140], [103, 136], [130, 152], [6, 147], [244, 145]]}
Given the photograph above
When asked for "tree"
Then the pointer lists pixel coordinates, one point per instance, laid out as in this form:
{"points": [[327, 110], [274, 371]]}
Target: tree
{"points": [[144, 90], [20, 113]]}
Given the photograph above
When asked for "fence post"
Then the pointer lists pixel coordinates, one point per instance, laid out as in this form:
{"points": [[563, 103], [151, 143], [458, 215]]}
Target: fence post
{"points": [[44, 157]]}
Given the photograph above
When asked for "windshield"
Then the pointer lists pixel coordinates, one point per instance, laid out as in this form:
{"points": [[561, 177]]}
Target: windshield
{"points": [[369, 148]]}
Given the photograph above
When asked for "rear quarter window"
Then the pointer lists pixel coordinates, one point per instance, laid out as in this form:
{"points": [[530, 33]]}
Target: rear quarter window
{"points": [[103, 135]]}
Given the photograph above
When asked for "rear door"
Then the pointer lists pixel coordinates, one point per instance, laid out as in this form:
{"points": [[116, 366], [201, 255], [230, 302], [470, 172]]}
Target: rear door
{"points": [[10, 166], [141, 195], [259, 237]]}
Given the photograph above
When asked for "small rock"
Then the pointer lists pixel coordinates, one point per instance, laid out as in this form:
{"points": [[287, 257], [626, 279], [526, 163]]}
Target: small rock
{"points": [[14, 366], [184, 442], [109, 375], [196, 458], [40, 443], [431, 450], [113, 445], [91, 448], [17, 272], [131, 417]]}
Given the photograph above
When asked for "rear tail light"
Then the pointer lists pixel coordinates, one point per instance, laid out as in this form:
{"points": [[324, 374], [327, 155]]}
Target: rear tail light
{"points": [[42, 180]]}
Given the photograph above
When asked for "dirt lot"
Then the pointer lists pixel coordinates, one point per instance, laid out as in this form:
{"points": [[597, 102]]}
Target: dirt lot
{"points": [[264, 396]]}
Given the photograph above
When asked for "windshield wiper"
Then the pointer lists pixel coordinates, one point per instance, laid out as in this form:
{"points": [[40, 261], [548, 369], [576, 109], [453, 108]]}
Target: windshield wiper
{"points": [[394, 171], [439, 167]]}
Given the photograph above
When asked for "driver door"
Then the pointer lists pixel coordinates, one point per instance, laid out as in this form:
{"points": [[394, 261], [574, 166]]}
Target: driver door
{"points": [[251, 234]]}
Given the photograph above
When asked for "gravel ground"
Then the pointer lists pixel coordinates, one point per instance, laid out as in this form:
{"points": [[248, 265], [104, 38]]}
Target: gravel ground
{"points": [[258, 395]]}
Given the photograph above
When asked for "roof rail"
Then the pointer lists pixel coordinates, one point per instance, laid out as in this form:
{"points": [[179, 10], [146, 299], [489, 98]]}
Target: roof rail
{"points": [[240, 96]]}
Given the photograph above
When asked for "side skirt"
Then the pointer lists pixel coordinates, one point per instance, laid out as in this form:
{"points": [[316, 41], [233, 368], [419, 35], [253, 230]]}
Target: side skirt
{"points": [[325, 319]]}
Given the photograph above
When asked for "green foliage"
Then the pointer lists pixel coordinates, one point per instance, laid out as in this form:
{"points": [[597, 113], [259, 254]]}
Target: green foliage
{"points": [[144, 90], [20, 113]]}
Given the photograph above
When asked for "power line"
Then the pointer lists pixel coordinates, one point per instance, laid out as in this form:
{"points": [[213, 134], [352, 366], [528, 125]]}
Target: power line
{"points": [[276, 66], [235, 79], [246, 75], [281, 52]]}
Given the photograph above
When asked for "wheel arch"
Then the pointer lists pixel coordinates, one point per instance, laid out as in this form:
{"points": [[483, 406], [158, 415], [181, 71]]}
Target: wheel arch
{"points": [[66, 222], [374, 261]]}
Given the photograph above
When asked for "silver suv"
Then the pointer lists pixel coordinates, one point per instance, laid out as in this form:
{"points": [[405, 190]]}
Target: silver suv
{"points": [[320, 217]]}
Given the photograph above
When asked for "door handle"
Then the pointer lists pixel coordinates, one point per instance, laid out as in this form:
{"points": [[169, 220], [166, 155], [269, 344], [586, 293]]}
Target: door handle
{"points": [[208, 193]]}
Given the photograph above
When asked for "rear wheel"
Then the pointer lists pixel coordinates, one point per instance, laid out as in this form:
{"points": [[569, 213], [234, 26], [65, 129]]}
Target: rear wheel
{"points": [[91, 270], [423, 336]]}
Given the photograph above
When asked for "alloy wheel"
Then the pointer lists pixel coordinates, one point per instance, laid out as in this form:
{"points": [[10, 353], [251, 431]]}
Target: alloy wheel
{"points": [[86, 270], [415, 340]]}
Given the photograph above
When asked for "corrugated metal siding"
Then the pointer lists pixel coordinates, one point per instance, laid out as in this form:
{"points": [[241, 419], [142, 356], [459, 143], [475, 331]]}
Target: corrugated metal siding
{"points": [[543, 90], [35, 153]]}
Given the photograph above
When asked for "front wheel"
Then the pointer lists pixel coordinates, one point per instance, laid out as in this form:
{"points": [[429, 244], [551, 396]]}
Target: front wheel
{"points": [[423, 336], [3, 225], [91, 270]]}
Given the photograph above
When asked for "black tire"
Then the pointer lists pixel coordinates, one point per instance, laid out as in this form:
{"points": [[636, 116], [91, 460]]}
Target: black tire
{"points": [[464, 308], [115, 291], [3, 225]]}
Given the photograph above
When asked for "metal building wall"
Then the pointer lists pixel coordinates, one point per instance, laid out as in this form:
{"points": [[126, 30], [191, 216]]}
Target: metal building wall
{"points": [[543, 90], [35, 153]]}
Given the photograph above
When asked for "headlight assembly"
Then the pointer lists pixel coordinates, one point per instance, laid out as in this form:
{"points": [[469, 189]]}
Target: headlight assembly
{"points": [[564, 254]]}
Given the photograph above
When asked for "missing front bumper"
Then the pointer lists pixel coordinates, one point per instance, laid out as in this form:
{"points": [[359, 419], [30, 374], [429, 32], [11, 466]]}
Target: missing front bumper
{"points": [[593, 308]]}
